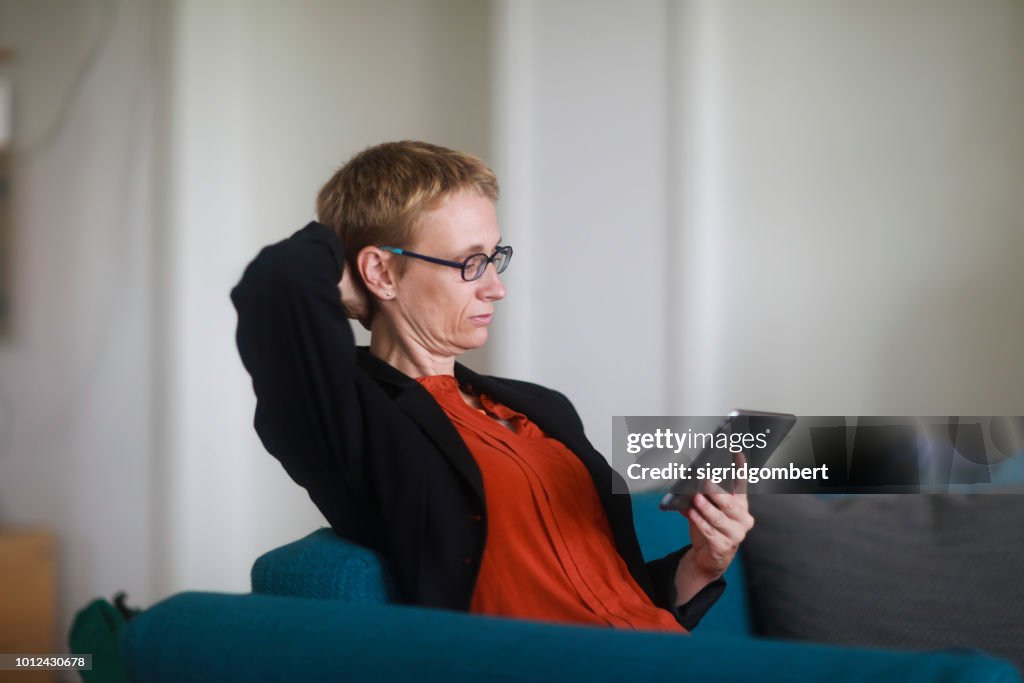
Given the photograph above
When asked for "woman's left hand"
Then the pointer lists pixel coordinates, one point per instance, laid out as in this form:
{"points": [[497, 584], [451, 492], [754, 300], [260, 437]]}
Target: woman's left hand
{"points": [[719, 521]]}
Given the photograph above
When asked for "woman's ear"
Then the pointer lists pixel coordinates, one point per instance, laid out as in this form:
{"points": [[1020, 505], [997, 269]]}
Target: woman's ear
{"points": [[376, 267]]}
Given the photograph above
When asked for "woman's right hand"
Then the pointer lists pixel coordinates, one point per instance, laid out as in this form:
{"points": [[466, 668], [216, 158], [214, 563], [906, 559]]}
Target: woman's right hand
{"points": [[353, 299]]}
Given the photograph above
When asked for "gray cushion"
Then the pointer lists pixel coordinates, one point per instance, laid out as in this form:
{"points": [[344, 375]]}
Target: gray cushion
{"points": [[903, 571]]}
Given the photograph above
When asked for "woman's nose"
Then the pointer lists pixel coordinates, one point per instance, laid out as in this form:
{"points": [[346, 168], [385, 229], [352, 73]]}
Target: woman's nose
{"points": [[491, 288]]}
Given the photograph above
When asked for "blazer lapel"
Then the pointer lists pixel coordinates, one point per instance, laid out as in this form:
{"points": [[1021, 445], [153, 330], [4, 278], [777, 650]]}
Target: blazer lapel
{"points": [[418, 404], [549, 413]]}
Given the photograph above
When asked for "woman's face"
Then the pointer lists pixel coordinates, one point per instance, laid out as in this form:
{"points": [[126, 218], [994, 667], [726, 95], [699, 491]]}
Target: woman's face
{"points": [[445, 314]]}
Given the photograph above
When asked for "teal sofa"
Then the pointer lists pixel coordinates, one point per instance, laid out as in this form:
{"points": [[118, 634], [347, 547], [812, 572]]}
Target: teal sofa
{"points": [[321, 611]]}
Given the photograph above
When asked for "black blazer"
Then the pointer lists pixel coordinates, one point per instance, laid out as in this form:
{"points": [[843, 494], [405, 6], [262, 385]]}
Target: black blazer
{"points": [[376, 453]]}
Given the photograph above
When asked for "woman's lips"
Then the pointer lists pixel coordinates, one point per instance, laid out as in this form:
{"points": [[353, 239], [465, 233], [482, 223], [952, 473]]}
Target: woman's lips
{"points": [[482, 319]]}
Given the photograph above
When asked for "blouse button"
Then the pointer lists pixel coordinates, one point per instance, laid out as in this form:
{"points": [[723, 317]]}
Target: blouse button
{"points": [[476, 518]]}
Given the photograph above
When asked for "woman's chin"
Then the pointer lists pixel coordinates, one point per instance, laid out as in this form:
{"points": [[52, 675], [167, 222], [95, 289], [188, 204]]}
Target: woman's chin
{"points": [[476, 338]]}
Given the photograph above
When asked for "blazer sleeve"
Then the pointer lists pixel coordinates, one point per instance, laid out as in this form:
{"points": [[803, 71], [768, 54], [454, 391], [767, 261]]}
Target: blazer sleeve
{"points": [[663, 573], [297, 345]]}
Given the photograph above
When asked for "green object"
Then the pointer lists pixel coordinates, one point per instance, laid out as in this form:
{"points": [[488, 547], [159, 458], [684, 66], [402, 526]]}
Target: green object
{"points": [[96, 630]]}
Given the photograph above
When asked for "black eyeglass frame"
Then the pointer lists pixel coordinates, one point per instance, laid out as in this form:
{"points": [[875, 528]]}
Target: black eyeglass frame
{"points": [[504, 250]]}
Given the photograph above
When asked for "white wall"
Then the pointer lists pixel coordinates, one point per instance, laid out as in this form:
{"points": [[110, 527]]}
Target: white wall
{"points": [[863, 231], [595, 158]]}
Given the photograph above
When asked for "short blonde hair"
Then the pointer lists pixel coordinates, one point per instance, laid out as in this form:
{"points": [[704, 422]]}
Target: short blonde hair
{"points": [[378, 197]]}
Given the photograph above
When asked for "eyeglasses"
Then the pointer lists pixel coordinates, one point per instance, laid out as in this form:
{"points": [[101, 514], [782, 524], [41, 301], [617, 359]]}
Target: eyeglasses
{"points": [[472, 267]]}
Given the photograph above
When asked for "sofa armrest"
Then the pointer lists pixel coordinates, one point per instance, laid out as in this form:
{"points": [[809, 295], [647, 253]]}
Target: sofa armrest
{"points": [[220, 637], [324, 565]]}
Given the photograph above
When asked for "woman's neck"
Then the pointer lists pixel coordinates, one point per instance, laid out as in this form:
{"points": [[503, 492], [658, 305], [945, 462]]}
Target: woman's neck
{"points": [[406, 354]]}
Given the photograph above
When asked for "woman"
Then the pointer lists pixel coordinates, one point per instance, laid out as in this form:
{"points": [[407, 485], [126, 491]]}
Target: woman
{"points": [[483, 492]]}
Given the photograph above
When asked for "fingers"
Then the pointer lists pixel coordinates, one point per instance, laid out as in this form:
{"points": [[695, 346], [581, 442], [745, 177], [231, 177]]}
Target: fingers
{"points": [[706, 528], [734, 505], [353, 299], [726, 513], [722, 535], [715, 515]]}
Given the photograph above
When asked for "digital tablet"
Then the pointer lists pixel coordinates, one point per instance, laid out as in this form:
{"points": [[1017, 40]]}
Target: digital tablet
{"points": [[756, 434]]}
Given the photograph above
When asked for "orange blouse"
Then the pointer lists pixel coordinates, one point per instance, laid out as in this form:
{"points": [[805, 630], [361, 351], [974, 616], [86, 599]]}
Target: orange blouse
{"points": [[549, 554]]}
